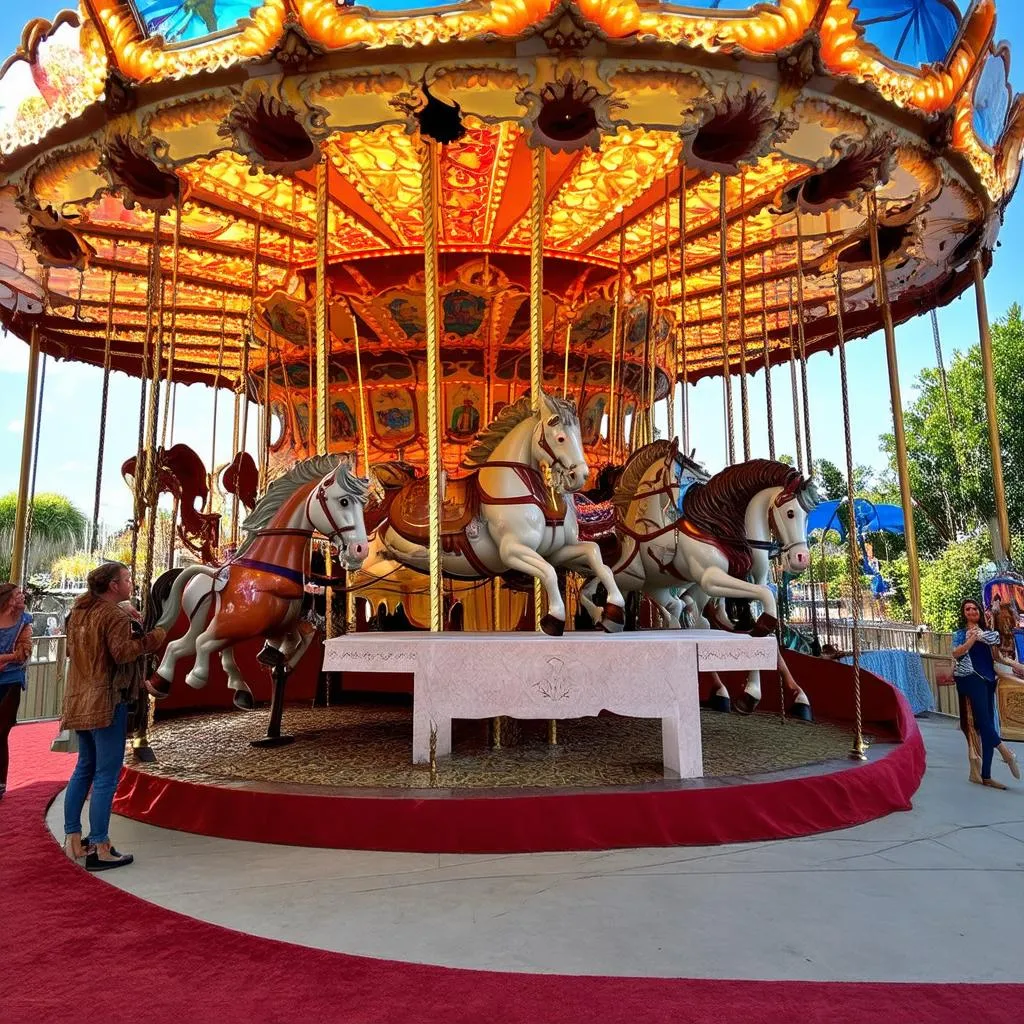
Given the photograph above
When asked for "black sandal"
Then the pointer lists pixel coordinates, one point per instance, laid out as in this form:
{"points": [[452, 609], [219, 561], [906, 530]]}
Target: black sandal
{"points": [[94, 863]]}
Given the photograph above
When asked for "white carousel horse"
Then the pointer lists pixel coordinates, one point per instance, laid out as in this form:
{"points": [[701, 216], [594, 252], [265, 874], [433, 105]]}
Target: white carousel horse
{"points": [[259, 592], [704, 539], [514, 513]]}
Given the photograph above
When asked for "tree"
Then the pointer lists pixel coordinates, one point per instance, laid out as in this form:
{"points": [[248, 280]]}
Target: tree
{"points": [[950, 471], [57, 528]]}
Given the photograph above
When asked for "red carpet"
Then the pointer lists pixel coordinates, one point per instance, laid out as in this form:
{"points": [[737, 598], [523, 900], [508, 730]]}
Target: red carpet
{"points": [[75, 948]]}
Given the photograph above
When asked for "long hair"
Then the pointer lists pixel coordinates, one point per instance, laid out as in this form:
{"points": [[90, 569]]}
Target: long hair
{"points": [[962, 622], [102, 576], [6, 593]]}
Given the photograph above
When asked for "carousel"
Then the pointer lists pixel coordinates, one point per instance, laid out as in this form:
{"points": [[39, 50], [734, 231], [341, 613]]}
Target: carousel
{"points": [[459, 269]]}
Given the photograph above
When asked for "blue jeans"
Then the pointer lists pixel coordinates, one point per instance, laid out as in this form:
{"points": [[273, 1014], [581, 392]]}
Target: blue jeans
{"points": [[100, 756], [981, 692]]}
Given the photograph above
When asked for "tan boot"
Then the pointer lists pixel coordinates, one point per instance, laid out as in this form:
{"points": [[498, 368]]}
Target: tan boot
{"points": [[992, 784]]}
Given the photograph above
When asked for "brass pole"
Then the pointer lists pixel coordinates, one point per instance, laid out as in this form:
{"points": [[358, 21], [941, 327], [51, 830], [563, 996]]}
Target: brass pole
{"points": [[613, 405], [857, 752], [671, 347], [723, 256], [364, 420], [985, 337], [684, 400], [565, 368], [744, 396], [174, 325], [431, 210], [803, 342], [537, 196], [651, 346], [906, 499], [767, 362], [793, 385], [150, 476], [322, 341], [216, 396], [104, 398], [21, 513]]}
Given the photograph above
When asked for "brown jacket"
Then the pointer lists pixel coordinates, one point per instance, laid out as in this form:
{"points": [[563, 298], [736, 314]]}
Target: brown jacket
{"points": [[99, 638]]}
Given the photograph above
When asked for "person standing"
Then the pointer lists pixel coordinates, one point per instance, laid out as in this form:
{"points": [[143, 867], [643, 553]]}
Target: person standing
{"points": [[15, 650], [100, 638], [975, 652]]}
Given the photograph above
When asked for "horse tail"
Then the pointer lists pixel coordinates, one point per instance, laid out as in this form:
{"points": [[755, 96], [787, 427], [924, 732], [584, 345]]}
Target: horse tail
{"points": [[166, 595]]}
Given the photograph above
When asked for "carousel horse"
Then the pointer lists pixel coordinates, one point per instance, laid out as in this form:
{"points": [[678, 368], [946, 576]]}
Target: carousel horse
{"points": [[704, 537], [259, 591], [514, 515]]}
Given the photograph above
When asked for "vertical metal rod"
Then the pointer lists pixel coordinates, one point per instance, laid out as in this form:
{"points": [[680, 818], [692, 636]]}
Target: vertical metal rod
{"points": [[21, 512], [797, 432], [684, 400], [174, 324], [985, 337], [431, 204], [899, 433], [859, 746], [744, 396], [537, 197], [216, 397], [671, 346], [322, 341], [723, 254], [617, 318], [767, 363], [104, 400], [803, 342]]}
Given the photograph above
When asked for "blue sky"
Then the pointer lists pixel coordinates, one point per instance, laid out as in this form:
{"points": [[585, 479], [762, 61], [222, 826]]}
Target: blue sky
{"points": [[67, 461]]}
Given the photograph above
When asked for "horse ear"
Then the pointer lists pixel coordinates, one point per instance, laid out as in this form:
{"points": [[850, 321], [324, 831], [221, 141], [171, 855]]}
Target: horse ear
{"points": [[673, 450]]}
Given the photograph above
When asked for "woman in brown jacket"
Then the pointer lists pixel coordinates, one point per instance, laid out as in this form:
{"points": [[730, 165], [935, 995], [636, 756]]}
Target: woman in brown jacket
{"points": [[15, 650], [100, 637]]}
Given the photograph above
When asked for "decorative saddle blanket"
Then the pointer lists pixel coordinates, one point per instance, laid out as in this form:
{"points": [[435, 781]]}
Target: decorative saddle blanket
{"points": [[409, 514]]}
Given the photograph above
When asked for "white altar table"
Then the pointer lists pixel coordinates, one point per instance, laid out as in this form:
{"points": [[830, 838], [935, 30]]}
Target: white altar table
{"points": [[648, 674]]}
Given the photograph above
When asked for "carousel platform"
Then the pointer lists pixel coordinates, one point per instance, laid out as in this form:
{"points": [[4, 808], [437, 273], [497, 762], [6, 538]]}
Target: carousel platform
{"points": [[346, 781]]}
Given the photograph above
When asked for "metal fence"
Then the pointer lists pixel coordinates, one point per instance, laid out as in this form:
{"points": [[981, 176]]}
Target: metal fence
{"points": [[935, 650], [45, 676]]}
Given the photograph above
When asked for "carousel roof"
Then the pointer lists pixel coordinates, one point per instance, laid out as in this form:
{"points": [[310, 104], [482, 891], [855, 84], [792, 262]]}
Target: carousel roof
{"points": [[193, 130]]}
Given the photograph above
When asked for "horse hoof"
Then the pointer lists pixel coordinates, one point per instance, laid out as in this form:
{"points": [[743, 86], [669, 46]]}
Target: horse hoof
{"points": [[801, 712], [158, 688], [242, 700], [613, 619], [552, 626], [745, 704], [196, 682], [720, 702]]}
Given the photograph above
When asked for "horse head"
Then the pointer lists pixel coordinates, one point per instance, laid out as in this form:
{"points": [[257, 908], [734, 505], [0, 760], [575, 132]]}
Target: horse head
{"points": [[788, 521], [335, 508], [558, 445]]}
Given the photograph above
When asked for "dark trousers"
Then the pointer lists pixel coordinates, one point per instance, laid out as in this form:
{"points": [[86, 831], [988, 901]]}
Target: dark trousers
{"points": [[981, 693], [10, 700]]}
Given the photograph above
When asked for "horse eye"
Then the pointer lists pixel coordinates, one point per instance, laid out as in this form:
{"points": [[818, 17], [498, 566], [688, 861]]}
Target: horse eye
{"points": [[344, 503], [561, 438], [791, 514]]}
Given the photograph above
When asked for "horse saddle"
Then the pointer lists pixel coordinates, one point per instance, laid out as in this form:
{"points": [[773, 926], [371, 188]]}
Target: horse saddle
{"points": [[410, 516], [594, 519]]}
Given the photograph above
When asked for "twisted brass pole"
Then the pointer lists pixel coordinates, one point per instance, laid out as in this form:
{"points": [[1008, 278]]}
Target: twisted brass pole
{"points": [[431, 202], [537, 196], [723, 258]]}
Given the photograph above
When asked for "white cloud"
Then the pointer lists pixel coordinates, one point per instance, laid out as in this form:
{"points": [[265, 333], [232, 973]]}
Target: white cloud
{"points": [[15, 426]]}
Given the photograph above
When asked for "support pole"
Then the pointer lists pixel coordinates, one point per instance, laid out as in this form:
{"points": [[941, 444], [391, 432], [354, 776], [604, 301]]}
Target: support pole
{"points": [[684, 399], [431, 211], [906, 500], [744, 393], [322, 343], [768, 399], [723, 256], [985, 337], [21, 512], [617, 318], [858, 751], [104, 400], [537, 196]]}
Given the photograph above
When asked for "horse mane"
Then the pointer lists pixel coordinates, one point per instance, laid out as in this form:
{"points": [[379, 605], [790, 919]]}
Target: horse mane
{"points": [[511, 416], [717, 507], [633, 472], [305, 472]]}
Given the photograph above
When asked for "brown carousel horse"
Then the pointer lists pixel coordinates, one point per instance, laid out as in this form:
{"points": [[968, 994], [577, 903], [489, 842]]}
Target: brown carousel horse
{"points": [[259, 591], [680, 532]]}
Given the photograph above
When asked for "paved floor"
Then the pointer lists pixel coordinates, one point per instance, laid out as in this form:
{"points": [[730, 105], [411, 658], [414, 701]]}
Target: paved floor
{"points": [[936, 894]]}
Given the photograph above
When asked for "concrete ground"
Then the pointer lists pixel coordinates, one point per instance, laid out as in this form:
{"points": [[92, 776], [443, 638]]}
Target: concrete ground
{"points": [[935, 894]]}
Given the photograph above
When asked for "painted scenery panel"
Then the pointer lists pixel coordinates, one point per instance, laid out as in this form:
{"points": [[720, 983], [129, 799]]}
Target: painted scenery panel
{"points": [[394, 415]]}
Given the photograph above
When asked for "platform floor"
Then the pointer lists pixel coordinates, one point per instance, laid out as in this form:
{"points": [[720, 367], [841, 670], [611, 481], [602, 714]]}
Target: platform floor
{"points": [[934, 894]]}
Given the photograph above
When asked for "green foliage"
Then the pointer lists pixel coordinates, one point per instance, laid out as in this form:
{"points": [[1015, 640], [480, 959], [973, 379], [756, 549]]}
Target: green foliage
{"points": [[57, 528], [949, 579], [951, 472]]}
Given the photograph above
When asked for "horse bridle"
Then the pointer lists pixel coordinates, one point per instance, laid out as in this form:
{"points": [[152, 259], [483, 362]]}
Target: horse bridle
{"points": [[556, 460], [775, 548], [320, 494]]}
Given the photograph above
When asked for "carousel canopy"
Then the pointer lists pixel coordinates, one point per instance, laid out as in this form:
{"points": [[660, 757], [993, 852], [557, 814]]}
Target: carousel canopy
{"points": [[161, 161]]}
